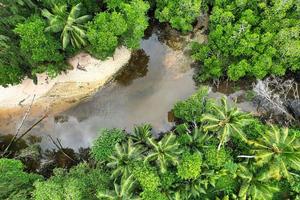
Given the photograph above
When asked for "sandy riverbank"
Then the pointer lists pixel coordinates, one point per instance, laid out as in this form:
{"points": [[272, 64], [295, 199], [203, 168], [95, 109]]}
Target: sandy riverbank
{"points": [[67, 88]]}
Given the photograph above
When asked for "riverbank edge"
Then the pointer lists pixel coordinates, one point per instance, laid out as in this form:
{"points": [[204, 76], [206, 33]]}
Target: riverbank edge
{"points": [[66, 90]]}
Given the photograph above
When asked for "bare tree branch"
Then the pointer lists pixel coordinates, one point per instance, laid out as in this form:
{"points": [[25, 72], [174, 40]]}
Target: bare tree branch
{"points": [[59, 146], [20, 126]]}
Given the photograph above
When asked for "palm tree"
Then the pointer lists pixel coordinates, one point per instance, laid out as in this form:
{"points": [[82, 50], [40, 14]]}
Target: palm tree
{"points": [[195, 138], [70, 24], [123, 191], [226, 122], [124, 156], [141, 134], [279, 149], [255, 186], [192, 189], [164, 152]]}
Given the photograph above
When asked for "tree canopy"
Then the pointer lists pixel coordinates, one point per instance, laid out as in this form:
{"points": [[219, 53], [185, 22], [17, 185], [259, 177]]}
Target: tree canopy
{"points": [[250, 38]]}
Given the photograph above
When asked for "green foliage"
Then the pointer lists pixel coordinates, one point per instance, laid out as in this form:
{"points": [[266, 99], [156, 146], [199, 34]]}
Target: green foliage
{"points": [[14, 182], [38, 46], [81, 182], [124, 25], [179, 13], [153, 195], [226, 183], [279, 150], [135, 14], [190, 166], [191, 110], [29, 45], [215, 158], [226, 122], [10, 59], [164, 152], [124, 156], [122, 191], [254, 186], [250, 38], [146, 176], [194, 139], [183, 165], [103, 33], [141, 134], [103, 146], [69, 23]]}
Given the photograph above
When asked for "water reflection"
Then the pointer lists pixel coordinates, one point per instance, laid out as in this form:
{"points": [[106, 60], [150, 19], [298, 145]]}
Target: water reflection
{"points": [[136, 68]]}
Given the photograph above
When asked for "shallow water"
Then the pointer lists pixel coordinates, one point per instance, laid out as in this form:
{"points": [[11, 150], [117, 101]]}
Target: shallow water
{"points": [[154, 80]]}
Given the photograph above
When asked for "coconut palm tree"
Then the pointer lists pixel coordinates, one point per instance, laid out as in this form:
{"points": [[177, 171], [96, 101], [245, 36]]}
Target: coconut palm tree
{"points": [[279, 149], [195, 139], [164, 152], [192, 189], [255, 186], [70, 24], [124, 156], [141, 134], [122, 191], [225, 121]]}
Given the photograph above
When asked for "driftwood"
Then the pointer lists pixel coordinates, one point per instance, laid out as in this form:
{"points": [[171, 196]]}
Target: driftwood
{"points": [[59, 146], [20, 126], [16, 139]]}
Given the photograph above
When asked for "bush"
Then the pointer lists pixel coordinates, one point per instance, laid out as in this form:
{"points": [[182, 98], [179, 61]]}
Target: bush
{"points": [[39, 47], [146, 176], [153, 195], [190, 166], [179, 13], [14, 182], [103, 33], [104, 145], [191, 109], [214, 158], [81, 182]]}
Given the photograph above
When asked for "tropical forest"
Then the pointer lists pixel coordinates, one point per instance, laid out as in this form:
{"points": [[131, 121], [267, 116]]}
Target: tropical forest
{"points": [[149, 99]]}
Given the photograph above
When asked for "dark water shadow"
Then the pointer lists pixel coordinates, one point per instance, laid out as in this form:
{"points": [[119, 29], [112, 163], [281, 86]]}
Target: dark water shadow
{"points": [[137, 67]]}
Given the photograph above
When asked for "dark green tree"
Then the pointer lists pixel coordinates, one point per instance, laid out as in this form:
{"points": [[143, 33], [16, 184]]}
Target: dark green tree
{"points": [[181, 14]]}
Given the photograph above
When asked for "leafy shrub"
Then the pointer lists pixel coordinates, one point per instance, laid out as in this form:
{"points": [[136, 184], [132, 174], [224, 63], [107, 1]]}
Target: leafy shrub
{"points": [[103, 33], [226, 183], [191, 109], [168, 179], [135, 14], [39, 47], [14, 182], [146, 176], [104, 145], [190, 166], [215, 158], [179, 13], [124, 25], [153, 195], [80, 183]]}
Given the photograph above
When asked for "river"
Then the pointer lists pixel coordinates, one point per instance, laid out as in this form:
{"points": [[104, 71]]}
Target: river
{"points": [[156, 77]]}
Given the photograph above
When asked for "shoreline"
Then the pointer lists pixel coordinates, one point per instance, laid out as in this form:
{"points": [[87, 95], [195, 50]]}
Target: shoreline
{"points": [[67, 89]]}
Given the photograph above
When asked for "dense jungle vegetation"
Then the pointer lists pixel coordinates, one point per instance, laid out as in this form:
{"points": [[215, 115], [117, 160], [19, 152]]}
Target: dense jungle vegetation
{"points": [[246, 38], [216, 152]]}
